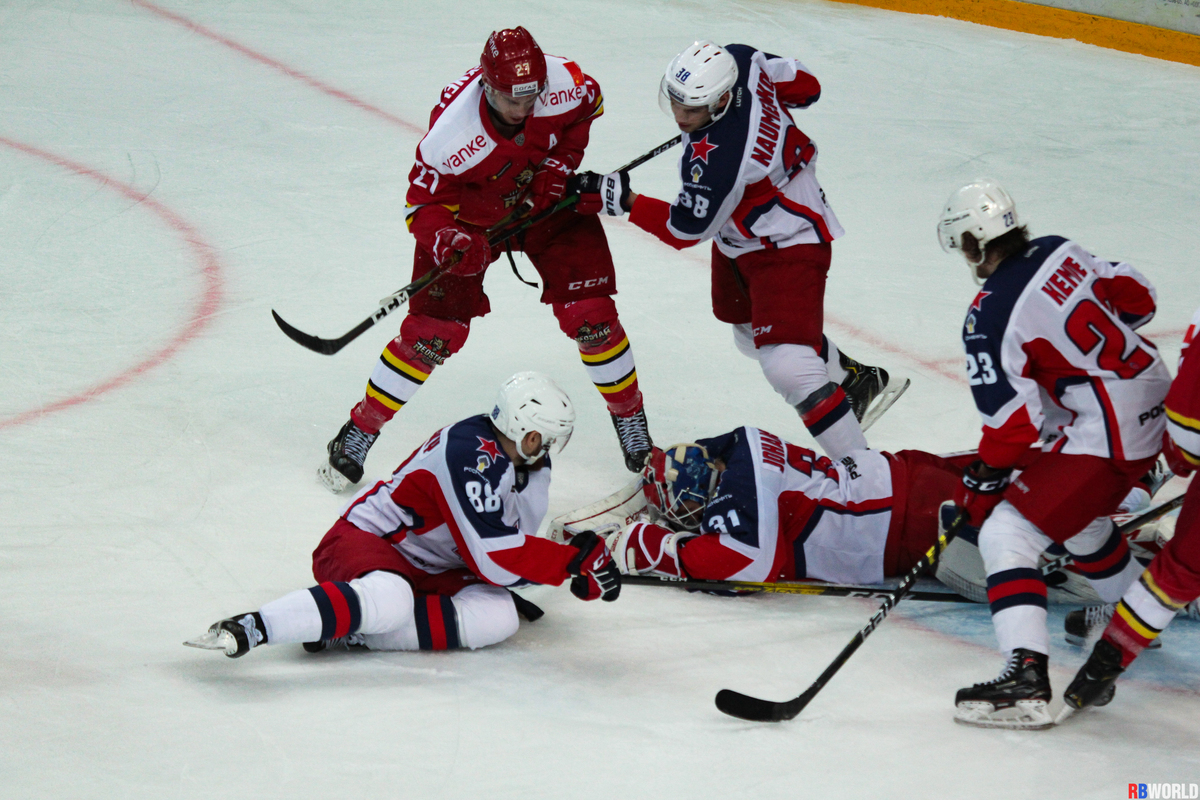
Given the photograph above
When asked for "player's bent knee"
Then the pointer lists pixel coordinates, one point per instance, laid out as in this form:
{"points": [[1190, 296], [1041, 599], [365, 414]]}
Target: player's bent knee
{"points": [[795, 371], [1009, 541], [430, 340], [386, 601], [486, 615], [589, 322]]}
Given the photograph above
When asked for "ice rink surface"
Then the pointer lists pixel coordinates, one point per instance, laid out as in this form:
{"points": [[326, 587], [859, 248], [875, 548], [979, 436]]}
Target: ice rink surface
{"points": [[169, 173]]}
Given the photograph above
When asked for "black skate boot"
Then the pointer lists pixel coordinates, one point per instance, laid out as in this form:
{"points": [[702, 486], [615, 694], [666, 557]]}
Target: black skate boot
{"points": [[354, 640], [1016, 699], [347, 452], [868, 390], [1084, 623], [236, 635], [1093, 685], [634, 436]]}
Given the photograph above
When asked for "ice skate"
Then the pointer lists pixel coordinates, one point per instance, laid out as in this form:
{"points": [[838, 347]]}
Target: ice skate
{"points": [[1083, 624], [1093, 685], [634, 436], [1016, 700], [868, 390], [347, 452], [354, 640], [236, 635]]}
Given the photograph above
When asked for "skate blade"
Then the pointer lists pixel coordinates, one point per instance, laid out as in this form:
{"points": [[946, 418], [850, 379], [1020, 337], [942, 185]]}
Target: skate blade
{"points": [[333, 480], [883, 402], [214, 640], [1024, 715], [1064, 715]]}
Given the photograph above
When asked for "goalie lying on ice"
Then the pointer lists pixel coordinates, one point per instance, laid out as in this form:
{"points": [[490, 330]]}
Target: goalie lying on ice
{"points": [[749, 506]]}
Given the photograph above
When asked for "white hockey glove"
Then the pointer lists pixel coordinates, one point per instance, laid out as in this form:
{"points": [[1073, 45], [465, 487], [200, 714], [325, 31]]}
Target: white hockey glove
{"points": [[601, 194]]}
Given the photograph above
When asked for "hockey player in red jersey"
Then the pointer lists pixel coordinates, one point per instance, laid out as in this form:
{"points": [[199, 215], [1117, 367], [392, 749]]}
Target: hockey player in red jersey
{"points": [[502, 143], [749, 506], [750, 185], [1173, 578], [420, 561], [1052, 353]]}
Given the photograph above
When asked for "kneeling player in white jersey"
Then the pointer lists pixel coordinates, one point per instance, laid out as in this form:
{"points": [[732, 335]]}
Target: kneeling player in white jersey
{"points": [[1052, 354], [750, 185], [420, 561], [749, 506]]}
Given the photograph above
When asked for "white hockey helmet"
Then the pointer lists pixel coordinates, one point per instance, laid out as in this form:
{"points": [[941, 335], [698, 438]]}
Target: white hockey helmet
{"points": [[699, 76], [530, 401], [981, 208]]}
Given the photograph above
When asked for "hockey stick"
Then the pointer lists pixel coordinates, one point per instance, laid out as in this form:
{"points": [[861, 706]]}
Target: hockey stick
{"points": [[393, 301], [786, 587], [743, 706]]}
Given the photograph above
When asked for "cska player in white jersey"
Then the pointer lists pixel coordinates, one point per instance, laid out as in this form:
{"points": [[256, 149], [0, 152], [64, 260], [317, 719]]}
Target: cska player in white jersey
{"points": [[502, 143], [420, 561], [1172, 580], [1052, 354], [750, 185], [750, 506]]}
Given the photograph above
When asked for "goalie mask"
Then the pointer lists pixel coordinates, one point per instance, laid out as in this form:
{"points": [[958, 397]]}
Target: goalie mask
{"points": [[685, 481], [530, 401]]}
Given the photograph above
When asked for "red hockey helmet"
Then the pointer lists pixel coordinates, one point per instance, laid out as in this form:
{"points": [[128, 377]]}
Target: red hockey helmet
{"points": [[513, 63]]}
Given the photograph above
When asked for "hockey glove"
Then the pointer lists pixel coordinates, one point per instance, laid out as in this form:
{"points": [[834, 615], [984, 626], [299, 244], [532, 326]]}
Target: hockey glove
{"points": [[466, 253], [549, 185], [607, 194], [596, 574], [981, 490], [1176, 460]]}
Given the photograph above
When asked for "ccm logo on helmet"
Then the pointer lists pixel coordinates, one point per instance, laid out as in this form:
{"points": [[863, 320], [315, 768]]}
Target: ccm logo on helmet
{"points": [[588, 284]]}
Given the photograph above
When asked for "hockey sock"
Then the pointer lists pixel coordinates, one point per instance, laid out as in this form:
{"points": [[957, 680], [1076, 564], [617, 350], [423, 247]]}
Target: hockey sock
{"points": [[1102, 556], [1144, 611], [477, 616], [404, 365], [1010, 546], [833, 362], [605, 351], [827, 415], [1017, 598]]}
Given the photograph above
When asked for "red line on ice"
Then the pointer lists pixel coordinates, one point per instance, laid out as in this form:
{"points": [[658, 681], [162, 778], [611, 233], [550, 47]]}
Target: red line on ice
{"points": [[210, 271], [279, 66]]}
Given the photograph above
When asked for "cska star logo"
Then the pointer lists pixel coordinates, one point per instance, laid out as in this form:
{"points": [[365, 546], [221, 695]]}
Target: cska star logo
{"points": [[489, 448], [977, 303], [701, 149]]}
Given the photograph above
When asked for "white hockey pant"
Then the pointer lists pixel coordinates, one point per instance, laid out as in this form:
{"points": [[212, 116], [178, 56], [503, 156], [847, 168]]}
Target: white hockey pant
{"points": [[1011, 547], [797, 371]]}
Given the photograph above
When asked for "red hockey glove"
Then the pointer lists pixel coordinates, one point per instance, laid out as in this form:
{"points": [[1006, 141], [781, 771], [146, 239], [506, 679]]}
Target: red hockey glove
{"points": [[1176, 460], [981, 490], [468, 253], [607, 194], [548, 186], [596, 574]]}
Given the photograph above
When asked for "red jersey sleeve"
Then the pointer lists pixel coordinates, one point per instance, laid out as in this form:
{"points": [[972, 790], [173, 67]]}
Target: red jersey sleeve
{"points": [[538, 560], [651, 215]]}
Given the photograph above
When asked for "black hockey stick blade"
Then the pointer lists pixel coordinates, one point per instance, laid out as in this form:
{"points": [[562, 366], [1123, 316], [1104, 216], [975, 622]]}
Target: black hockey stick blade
{"points": [[815, 588], [751, 708], [326, 347]]}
